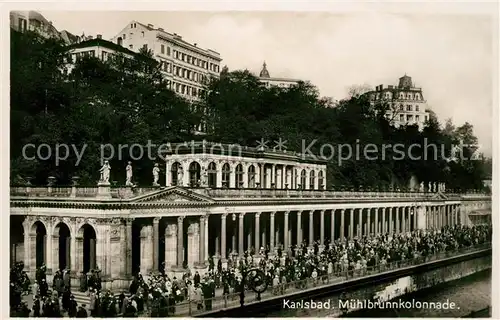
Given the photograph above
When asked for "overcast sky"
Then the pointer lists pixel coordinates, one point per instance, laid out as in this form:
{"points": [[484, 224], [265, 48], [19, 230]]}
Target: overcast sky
{"points": [[450, 56]]}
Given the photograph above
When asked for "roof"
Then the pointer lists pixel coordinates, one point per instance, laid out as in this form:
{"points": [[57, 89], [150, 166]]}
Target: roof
{"points": [[101, 43]]}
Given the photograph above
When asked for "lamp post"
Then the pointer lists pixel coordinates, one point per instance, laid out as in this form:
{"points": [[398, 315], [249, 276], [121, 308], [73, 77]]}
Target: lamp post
{"points": [[255, 280]]}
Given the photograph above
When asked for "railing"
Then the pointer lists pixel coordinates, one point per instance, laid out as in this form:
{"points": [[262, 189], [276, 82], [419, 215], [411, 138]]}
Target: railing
{"points": [[190, 307], [233, 193]]}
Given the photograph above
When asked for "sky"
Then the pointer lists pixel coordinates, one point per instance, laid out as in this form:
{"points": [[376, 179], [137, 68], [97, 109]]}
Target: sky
{"points": [[451, 56]]}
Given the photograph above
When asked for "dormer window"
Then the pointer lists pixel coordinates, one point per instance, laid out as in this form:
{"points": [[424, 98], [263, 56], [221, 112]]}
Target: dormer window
{"points": [[409, 96], [401, 95]]}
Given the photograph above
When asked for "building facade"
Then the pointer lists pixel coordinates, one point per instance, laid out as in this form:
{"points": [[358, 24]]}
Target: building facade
{"points": [[96, 48], [22, 21], [124, 230], [269, 81], [405, 103], [185, 66]]}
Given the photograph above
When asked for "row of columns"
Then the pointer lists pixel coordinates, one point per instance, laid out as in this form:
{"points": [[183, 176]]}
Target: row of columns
{"points": [[266, 175], [386, 220]]}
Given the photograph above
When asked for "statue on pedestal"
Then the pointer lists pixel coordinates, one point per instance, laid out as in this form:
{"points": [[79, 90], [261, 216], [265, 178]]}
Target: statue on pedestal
{"points": [[421, 189], [180, 175], [105, 171], [444, 187], [434, 189], [128, 169], [156, 175], [429, 187]]}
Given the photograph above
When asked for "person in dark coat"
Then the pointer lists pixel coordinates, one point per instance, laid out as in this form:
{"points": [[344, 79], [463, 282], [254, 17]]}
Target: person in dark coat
{"points": [[44, 288], [67, 279], [83, 282], [72, 307], [197, 279], [36, 307], [81, 313]]}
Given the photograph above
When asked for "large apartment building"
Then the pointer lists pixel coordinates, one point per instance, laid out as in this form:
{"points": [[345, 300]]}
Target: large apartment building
{"points": [[406, 103], [186, 65]]}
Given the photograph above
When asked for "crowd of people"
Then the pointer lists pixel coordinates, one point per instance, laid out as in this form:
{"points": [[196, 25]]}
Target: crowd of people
{"points": [[160, 294]]}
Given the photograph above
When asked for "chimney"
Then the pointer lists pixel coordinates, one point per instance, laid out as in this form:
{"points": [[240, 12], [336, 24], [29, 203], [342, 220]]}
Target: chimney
{"points": [[90, 37], [99, 36], [150, 26], [381, 87]]}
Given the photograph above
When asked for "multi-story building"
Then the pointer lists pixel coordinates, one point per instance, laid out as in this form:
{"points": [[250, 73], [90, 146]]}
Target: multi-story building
{"points": [[405, 102], [265, 78], [34, 21], [97, 48], [186, 66]]}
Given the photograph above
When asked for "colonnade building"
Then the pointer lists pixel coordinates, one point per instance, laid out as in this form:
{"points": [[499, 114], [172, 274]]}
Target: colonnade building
{"points": [[124, 230]]}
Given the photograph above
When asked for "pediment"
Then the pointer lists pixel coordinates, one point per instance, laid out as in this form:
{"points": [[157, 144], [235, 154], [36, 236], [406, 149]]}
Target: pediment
{"points": [[440, 196], [172, 195]]}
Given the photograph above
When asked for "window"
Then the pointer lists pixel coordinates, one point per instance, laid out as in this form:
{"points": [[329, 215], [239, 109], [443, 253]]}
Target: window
{"points": [[162, 49], [401, 118], [169, 67], [417, 118], [104, 55], [226, 175], [409, 117], [92, 53], [417, 108], [142, 33], [426, 118], [401, 95], [408, 108], [417, 96], [131, 25], [22, 25], [409, 95], [124, 36], [135, 25], [131, 47], [145, 47], [401, 108], [168, 51]]}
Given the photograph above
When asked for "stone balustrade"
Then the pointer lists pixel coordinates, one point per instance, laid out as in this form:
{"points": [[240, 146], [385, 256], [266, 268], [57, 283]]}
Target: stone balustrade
{"points": [[120, 192]]}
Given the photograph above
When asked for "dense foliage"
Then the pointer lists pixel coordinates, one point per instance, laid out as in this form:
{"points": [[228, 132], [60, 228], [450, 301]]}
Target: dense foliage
{"points": [[123, 101]]}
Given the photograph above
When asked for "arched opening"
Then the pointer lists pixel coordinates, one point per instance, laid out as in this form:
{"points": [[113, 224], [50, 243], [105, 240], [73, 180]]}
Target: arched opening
{"points": [[89, 247], [119, 41], [40, 233], [251, 176], [321, 181], [212, 175], [136, 248], [175, 173], [194, 174], [16, 239], [226, 175], [302, 179], [239, 176], [312, 179], [61, 246]]}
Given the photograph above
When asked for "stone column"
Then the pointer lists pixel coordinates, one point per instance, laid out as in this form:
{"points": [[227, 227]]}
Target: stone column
{"points": [[383, 224], [206, 237], [272, 239], [171, 246], [391, 225], [167, 174], [351, 223], [360, 222], [123, 249], [128, 230], [322, 226], [285, 232], [369, 222], [376, 227], [156, 244], [257, 231], [240, 233], [415, 218], [223, 237], [342, 223], [180, 242], [397, 209], [52, 252], [403, 218], [311, 228], [203, 240], [146, 249], [299, 227], [193, 243]]}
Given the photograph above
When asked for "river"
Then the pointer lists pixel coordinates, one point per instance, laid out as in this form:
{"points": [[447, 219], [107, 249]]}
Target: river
{"points": [[471, 295]]}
